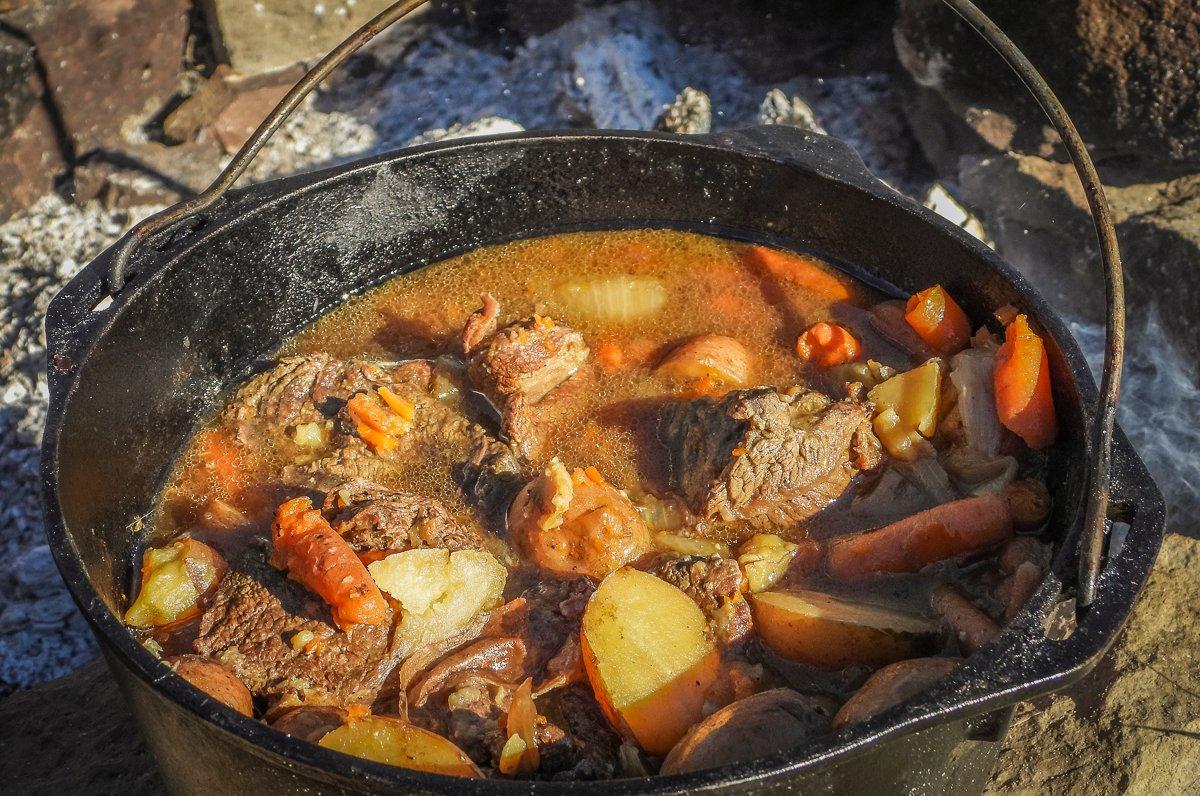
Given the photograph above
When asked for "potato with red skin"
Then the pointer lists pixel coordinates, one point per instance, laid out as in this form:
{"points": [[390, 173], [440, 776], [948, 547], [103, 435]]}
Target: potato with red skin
{"points": [[757, 725], [388, 740], [215, 680], [715, 356], [577, 523], [310, 723], [832, 632], [892, 685]]}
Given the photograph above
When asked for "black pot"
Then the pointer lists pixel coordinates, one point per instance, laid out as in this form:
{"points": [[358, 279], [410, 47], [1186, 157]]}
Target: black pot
{"points": [[130, 381]]}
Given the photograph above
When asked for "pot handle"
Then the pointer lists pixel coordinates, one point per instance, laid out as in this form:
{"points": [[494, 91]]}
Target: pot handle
{"points": [[123, 252]]}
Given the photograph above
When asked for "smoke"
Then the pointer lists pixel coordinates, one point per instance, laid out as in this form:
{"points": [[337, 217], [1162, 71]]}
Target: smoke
{"points": [[1159, 411]]}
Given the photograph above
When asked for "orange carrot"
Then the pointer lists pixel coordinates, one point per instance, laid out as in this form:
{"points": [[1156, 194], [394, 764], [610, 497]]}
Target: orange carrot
{"points": [[1024, 403], [381, 425], [938, 319], [219, 454], [952, 529], [802, 271], [828, 344], [315, 556], [610, 356]]}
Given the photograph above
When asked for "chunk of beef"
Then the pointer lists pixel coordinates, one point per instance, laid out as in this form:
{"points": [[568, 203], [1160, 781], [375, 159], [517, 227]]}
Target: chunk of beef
{"points": [[490, 478], [475, 722], [258, 624], [518, 366], [715, 583], [310, 389], [553, 611], [577, 742], [764, 458], [370, 517]]}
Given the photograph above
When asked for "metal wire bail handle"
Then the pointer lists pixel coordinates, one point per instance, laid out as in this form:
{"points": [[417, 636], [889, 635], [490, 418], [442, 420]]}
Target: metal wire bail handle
{"points": [[1091, 546]]}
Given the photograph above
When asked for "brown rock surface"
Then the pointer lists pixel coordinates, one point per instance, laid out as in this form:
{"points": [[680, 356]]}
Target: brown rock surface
{"points": [[266, 35], [1132, 725], [106, 61], [1128, 72]]}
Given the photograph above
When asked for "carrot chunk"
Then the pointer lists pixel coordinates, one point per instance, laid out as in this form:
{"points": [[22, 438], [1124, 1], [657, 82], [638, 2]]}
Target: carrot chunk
{"points": [[828, 344], [610, 356], [315, 556], [952, 529], [938, 319], [801, 271], [381, 424], [1024, 403]]}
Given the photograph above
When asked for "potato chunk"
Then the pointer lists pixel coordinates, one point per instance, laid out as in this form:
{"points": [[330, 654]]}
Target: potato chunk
{"points": [[906, 407], [215, 680], [649, 657], [395, 743], [720, 358], [832, 632], [440, 592], [175, 578], [764, 559], [770, 721]]}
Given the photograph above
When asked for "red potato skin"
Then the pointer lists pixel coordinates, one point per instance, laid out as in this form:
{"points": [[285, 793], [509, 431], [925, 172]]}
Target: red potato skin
{"points": [[215, 680], [892, 685], [1022, 584], [947, 531]]}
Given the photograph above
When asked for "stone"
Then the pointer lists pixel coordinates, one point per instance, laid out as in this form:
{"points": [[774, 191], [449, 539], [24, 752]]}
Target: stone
{"points": [[243, 115], [30, 160], [1128, 74], [265, 35], [1131, 725], [691, 112], [110, 65], [19, 84], [1036, 212], [778, 108], [200, 109]]}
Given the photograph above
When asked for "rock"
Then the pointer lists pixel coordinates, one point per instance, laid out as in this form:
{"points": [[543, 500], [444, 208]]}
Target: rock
{"points": [[242, 116], [1131, 725], [1128, 73], [110, 65], [19, 84], [522, 18], [200, 109], [778, 108], [489, 125], [30, 161], [74, 735], [261, 36], [691, 112], [1035, 211]]}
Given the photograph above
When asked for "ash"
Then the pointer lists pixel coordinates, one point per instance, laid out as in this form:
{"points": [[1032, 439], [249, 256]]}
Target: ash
{"points": [[614, 67]]}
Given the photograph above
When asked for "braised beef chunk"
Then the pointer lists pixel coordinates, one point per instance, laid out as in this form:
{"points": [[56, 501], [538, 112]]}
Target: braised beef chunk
{"points": [[576, 742], [258, 626], [715, 583], [518, 366], [554, 609], [765, 458], [370, 517], [490, 478], [310, 389]]}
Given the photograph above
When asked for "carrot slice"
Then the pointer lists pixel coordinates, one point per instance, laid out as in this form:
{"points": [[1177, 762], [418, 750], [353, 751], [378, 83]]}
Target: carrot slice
{"points": [[802, 271], [938, 319], [952, 529], [219, 454], [1024, 403], [315, 556], [610, 356], [828, 344]]}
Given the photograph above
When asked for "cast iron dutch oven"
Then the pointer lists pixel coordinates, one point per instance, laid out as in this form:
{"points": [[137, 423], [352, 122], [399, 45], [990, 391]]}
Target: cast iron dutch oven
{"points": [[213, 296]]}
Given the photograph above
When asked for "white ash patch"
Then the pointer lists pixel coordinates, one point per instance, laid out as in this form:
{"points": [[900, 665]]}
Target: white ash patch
{"points": [[42, 635]]}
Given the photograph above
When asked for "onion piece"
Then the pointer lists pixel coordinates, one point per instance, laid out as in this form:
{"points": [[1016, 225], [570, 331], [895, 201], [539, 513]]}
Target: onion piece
{"points": [[971, 374], [618, 299]]}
